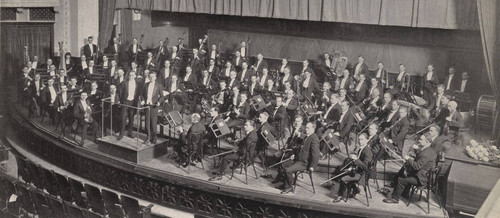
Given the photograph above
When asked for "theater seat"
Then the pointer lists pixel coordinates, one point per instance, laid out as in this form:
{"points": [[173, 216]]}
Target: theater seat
{"points": [[42, 207], [95, 199], [133, 209], [78, 193], [49, 181], [35, 174], [23, 170], [57, 207], [112, 204], [63, 187], [73, 211]]}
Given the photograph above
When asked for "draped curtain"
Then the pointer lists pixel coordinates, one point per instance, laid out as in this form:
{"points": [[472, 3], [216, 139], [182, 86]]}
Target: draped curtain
{"points": [[446, 14], [38, 38], [126, 26], [106, 17], [487, 11]]}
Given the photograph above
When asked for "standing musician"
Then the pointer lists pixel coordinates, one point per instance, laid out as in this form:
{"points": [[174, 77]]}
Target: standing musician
{"points": [[48, 97], [237, 61], [243, 49], [62, 103], [284, 65], [308, 85], [429, 84], [413, 172], [399, 129], [83, 114], [188, 138], [130, 91], [380, 74], [451, 82], [244, 152], [152, 96], [357, 165], [90, 50], [260, 65], [306, 158], [134, 49], [196, 64], [287, 77], [213, 54], [400, 82]]}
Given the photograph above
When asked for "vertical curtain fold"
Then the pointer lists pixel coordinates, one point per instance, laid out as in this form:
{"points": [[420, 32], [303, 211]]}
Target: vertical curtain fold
{"points": [[106, 17], [487, 13], [126, 26]]}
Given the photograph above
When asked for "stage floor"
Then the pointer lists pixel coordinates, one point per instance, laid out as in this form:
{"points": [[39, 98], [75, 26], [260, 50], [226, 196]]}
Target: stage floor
{"points": [[261, 187]]}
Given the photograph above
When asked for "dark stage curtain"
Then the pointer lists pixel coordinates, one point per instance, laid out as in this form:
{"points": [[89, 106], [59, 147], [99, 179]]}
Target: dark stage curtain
{"points": [[126, 26], [487, 11], [449, 14], [38, 38], [106, 17]]}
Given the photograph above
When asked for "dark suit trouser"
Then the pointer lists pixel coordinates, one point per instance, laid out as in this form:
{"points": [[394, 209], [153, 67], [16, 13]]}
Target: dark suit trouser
{"points": [[226, 160], [402, 185], [127, 112], [345, 180], [151, 122], [290, 170], [85, 125]]}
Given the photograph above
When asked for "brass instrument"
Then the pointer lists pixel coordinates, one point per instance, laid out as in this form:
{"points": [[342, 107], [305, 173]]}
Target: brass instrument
{"points": [[205, 105]]}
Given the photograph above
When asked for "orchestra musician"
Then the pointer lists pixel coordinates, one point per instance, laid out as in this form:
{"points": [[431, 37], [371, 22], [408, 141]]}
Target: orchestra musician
{"points": [[305, 159], [152, 97], [73, 86], [380, 74], [264, 129], [262, 78], [105, 62], [392, 116], [371, 106], [119, 78], [308, 85], [68, 62], [437, 103], [297, 134], [413, 172], [360, 68], [48, 97], [346, 81], [327, 61], [190, 77], [82, 111], [287, 78], [196, 64], [291, 103], [35, 64], [83, 65], [386, 107], [374, 84], [324, 96], [136, 69], [134, 49], [232, 81], [212, 69], [451, 82], [306, 67], [430, 83], [346, 122], [206, 81], [184, 149], [240, 111], [173, 55], [463, 83], [243, 49], [400, 82], [361, 90], [357, 165], [90, 50], [245, 73], [244, 152], [237, 61], [47, 64], [330, 117], [112, 70], [63, 104], [226, 71], [130, 91], [35, 91], [114, 48], [399, 129], [278, 117], [284, 65], [149, 63], [91, 69], [260, 65], [214, 54], [165, 73], [114, 100], [254, 86], [454, 121]]}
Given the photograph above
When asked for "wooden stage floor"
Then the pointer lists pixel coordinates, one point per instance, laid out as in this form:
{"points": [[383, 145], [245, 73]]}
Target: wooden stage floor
{"points": [[303, 195]]}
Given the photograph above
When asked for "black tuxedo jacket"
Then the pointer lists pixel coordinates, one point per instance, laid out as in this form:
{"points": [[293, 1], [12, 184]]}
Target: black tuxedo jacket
{"points": [[124, 91], [86, 51], [309, 152], [157, 93], [345, 124], [79, 111], [424, 162]]}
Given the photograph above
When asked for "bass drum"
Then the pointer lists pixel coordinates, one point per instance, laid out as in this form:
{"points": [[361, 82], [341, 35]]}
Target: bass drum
{"points": [[486, 112]]}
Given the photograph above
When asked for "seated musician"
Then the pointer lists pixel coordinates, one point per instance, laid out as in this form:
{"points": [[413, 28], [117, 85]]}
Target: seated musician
{"points": [[442, 111], [62, 103], [270, 86], [73, 86], [239, 112], [297, 134], [360, 68], [232, 81], [291, 103], [308, 86], [52, 71], [386, 107], [399, 129], [262, 79], [346, 81], [436, 102], [354, 168], [245, 74], [324, 96], [400, 82], [165, 72], [119, 78], [414, 171], [83, 113], [391, 117], [261, 64], [244, 152], [135, 68], [190, 77], [207, 81], [112, 70], [346, 122], [184, 149], [287, 78], [278, 118], [306, 158], [95, 95], [212, 117], [374, 143], [454, 121], [374, 84], [222, 98], [149, 63], [212, 69], [264, 129], [380, 74], [342, 95], [254, 86], [330, 116], [327, 61], [89, 70], [361, 89], [226, 71], [62, 77], [48, 95], [371, 106]]}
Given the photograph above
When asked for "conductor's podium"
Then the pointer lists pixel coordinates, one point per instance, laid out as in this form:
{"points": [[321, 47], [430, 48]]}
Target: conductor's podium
{"points": [[128, 149]]}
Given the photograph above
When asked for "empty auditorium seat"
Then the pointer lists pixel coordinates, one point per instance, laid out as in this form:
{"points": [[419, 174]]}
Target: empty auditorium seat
{"points": [[35, 174], [112, 204], [133, 209], [49, 181], [23, 170], [78, 193], [63, 186], [73, 211], [24, 199], [41, 206], [95, 199], [91, 214], [57, 207]]}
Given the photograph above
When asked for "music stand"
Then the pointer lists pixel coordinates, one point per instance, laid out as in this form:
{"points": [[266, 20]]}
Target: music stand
{"points": [[173, 119], [332, 142]]}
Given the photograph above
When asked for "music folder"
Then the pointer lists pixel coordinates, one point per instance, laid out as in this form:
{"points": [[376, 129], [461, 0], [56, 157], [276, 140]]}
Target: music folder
{"points": [[219, 128], [258, 103], [330, 139], [267, 135], [173, 119]]}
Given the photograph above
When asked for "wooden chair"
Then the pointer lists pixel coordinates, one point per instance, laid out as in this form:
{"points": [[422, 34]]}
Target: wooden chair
{"points": [[299, 173]]}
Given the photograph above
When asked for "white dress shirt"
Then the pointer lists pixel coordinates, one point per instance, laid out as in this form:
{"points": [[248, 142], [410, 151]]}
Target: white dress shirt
{"points": [[131, 90], [448, 83], [149, 99]]}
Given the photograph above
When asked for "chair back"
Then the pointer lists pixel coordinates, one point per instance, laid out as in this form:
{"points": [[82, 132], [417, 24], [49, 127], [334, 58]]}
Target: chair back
{"points": [[64, 187], [95, 199]]}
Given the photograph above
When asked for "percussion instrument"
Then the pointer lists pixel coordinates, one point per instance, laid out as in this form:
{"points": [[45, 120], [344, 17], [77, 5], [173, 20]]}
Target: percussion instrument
{"points": [[486, 112]]}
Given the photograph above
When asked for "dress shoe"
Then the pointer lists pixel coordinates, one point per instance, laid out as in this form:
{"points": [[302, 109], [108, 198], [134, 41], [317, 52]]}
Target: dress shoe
{"points": [[276, 180], [153, 141], [130, 135], [215, 178], [391, 201], [338, 199], [281, 187], [287, 190], [119, 138], [185, 164]]}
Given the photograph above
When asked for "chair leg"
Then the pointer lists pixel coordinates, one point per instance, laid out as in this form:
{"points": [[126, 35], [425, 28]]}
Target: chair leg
{"points": [[428, 202], [255, 171], [420, 197], [246, 175], [366, 194], [232, 171], [312, 183], [295, 181], [201, 161], [189, 162], [367, 185], [412, 190]]}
